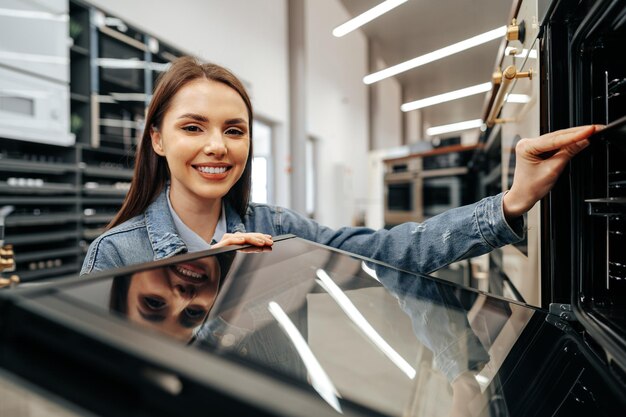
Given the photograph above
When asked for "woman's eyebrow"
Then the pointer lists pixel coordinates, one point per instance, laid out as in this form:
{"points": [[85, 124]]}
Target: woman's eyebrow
{"points": [[194, 116], [237, 121]]}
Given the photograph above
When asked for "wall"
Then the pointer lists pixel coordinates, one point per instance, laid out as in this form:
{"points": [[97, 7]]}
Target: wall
{"points": [[337, 112]]}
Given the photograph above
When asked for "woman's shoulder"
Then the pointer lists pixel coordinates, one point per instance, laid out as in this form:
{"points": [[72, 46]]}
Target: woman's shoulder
{"points": [[110, 248], [129, 225]]}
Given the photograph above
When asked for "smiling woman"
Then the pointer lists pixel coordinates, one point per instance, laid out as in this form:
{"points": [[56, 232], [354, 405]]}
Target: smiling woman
{"points": [[191, 186]]}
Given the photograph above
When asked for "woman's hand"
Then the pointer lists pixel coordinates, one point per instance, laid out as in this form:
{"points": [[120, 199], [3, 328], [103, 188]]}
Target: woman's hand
{"points": [[256, 239], [539, 162]]}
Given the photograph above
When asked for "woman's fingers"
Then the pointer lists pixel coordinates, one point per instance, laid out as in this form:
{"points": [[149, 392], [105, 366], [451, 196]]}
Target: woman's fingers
{"points": [[256, 239], [556, 140]]}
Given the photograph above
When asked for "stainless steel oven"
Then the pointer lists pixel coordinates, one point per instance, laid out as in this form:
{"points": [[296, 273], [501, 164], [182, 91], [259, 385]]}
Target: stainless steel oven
{"points": [[403, 191], [440, 194]]}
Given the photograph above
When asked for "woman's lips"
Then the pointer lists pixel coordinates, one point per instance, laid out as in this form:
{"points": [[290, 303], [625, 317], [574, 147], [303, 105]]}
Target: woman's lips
{"points": [[214, 172], [190, 273]]}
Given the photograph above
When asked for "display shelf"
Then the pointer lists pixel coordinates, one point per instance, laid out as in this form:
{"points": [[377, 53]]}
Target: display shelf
{"points": [[104, 191], [76, 49], [98, 218], [92, 234], [48, 188], [49, 185], [39, 201], [27, 276], [95, 201], [45, 254], [108, 172], [79, 97], [35, 238], [43, 219], [16, 165]]}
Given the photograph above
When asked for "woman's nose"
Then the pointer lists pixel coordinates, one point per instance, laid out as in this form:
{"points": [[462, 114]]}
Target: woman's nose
{"points": [[185, 291], [215, 145]]}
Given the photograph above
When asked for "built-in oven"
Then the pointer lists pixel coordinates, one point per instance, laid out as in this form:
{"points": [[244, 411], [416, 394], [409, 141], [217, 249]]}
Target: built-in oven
{"points": [[585, 83], [441, 194], [403, 191]]}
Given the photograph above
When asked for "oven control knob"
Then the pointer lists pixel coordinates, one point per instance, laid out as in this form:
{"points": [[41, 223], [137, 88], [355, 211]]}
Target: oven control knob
{"points": [[515, 31]]}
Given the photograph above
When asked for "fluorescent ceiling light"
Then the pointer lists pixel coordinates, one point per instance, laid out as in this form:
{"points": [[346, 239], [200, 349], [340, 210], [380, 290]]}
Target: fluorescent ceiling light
{"points": [[442, 98], [517, 98], [454, 127], [366, 17], [361, 322], [435, 55], [532, 54], [319, 378]]}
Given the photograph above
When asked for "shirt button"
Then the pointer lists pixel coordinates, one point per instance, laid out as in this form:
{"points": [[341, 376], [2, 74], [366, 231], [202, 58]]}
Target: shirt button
{"points": [[228, 340], [244, 351]]}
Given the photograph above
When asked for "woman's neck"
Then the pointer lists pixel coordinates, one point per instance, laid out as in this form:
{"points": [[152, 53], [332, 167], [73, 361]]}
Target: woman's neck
{"points": [[201, 216]]}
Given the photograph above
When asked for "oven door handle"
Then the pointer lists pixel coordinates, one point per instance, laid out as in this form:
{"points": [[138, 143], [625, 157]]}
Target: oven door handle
{"points": [[505, 80]]}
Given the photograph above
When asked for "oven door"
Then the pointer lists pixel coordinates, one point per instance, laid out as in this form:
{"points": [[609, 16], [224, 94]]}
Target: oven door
{"points": [[34, 109], [441, 194], [403, 198]]}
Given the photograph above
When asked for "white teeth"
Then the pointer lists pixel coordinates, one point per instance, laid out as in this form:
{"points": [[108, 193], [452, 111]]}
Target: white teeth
{"points": [[188, 273], [212, 170]]}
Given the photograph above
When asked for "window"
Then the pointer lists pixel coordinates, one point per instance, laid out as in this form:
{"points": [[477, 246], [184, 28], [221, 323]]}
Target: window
{"points": [[262, 163]]}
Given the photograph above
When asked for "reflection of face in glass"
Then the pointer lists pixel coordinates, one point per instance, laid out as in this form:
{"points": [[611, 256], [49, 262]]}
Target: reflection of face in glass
{"points": [[174, 299]]}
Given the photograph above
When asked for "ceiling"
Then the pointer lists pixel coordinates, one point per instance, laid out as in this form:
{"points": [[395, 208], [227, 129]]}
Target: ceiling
{"points": [[421, 26]]}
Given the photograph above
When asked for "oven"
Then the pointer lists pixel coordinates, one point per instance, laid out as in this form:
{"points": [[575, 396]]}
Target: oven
{"points": [[585, 247], [403, 191], [441, 194]]}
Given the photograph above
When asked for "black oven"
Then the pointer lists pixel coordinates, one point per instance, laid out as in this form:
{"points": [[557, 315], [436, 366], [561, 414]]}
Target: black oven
{"points": [[583, 244]]}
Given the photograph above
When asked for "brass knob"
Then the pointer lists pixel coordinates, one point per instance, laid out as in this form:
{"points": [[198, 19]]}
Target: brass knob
{"points": [[6, 282], [515, 31]]}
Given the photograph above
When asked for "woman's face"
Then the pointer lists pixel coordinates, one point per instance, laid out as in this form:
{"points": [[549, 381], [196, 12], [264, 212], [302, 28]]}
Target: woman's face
{"points": [[174, 299], [205, 139]]}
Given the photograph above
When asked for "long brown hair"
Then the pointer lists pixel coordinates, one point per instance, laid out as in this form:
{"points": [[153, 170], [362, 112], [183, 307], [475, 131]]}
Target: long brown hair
{"points": [[151, 172]]}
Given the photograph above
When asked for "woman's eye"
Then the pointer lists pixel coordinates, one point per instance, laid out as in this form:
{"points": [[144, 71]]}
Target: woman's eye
{"points": [[234, 131], [192, 128], [154, 303], [195, 313]]}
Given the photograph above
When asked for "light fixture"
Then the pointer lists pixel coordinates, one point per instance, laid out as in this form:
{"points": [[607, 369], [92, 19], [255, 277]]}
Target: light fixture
{"points": [[366, 17], [442, 98], [435, 55], [454, 127], [532, 53]]}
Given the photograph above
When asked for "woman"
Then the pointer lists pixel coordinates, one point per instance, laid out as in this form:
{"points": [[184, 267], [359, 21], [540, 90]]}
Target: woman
{"points": [[191, 187]]}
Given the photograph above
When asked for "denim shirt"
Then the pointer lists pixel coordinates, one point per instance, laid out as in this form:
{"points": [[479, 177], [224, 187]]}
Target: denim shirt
{"points": [[457, 234]]}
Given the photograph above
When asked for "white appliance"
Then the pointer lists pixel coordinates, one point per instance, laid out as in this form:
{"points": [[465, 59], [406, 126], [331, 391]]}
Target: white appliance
{"points": [[34, 71]]}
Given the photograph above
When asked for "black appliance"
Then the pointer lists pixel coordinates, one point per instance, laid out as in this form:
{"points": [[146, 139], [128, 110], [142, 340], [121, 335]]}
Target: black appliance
{"points": [[300, 330], [583, 82]]}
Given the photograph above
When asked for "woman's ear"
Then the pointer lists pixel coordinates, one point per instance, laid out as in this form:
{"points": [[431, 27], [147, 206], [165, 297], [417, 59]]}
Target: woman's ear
{"points": [[157, 141]]}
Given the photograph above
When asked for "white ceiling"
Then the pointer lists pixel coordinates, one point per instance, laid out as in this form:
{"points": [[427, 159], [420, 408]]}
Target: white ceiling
{"points": [[421, 26]]}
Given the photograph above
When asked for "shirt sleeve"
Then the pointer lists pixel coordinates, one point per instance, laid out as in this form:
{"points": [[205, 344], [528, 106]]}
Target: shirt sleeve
{"points": [[457, 234]]}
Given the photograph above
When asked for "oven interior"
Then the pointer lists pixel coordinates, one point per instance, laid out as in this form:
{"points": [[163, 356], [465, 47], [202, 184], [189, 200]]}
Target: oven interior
{"points": [[598, 86]]}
